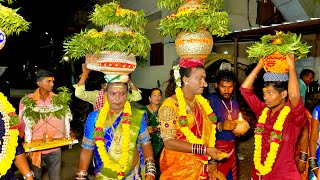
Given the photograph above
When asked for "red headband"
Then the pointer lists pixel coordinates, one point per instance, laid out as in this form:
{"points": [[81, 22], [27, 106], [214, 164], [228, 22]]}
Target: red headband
{"points": [[191, 62]]}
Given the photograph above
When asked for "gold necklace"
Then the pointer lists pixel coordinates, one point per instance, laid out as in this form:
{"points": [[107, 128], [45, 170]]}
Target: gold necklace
{"points": [[191, 103], [229, 111]]}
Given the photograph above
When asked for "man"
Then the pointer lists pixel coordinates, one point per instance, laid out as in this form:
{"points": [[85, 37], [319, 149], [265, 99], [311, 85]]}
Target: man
{"points": [[227, 111], [96, 97], [281, 117], [117, 138], [306, 77], [45, 129], [187, 145]]}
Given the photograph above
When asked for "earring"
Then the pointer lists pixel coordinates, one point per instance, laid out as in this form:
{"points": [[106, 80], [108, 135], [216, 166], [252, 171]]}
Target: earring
{"points": [[186, 83]]}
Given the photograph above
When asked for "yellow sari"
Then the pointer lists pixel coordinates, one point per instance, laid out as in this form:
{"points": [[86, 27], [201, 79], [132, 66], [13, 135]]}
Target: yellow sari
{"points": [[179, 165]]}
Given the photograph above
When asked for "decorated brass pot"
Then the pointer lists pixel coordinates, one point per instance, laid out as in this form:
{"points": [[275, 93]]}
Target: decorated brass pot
{"points": [[112, 62], [276, 63], [187, 6], [194, 45]]}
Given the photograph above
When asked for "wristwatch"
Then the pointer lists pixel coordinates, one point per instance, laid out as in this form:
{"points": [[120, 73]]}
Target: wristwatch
{"points": [[28, 175]]}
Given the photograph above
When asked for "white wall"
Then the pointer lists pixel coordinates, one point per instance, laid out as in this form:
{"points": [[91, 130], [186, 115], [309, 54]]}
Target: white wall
{"points": [[147, 76]]}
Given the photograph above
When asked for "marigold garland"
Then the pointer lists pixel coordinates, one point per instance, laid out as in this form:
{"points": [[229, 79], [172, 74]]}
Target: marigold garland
{"points": [[275, 137], [121, 166], [10, 137], [183, 121]]}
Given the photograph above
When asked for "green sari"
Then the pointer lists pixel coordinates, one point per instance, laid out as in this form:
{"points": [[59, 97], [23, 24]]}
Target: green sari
{"points": [[156, 140]]}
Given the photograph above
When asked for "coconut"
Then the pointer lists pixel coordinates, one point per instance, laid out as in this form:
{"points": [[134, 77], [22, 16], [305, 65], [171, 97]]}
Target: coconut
{"points": [[242, 126]]}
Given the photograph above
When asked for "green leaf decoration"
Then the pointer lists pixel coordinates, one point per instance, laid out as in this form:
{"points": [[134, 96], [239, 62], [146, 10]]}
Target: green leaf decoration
{"points": [[11, 22], [111, 13], [63, 98], [206, 17], [93, 42], [283, 43]]}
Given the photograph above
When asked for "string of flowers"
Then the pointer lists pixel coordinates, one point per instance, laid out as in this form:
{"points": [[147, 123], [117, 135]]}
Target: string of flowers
{"points": [[183, 119], [121, 166], [275, 137], [10, 135]]}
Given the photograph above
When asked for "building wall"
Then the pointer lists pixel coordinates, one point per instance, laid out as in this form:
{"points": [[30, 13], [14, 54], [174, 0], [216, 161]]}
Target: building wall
{"points": [[148, 76]]}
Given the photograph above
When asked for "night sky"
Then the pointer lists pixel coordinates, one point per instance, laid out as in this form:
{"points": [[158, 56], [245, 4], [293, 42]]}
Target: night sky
{"points": [[51, 22]]}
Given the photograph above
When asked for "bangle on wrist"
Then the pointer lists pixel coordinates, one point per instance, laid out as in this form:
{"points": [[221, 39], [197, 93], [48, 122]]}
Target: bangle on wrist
{"points": [[303, 156], [28, 175]]}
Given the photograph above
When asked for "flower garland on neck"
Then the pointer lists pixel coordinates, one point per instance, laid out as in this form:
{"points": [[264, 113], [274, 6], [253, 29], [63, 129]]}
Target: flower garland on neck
{"points": [[183, 120], [121, 166], [275, 137], [10, 136]]}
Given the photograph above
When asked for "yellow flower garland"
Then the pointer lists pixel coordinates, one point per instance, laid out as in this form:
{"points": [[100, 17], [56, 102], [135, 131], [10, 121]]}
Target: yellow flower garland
{"points": [[121, 166], [10, 136], [275, 143], [191, 138]]}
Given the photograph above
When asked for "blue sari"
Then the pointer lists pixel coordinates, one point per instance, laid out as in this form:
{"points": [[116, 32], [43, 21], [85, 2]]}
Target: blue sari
{"points": [[138, 135]]}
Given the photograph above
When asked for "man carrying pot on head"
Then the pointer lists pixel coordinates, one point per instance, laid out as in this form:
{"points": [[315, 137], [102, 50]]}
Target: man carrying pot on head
{"points": [[281, 117], [117, 138]]}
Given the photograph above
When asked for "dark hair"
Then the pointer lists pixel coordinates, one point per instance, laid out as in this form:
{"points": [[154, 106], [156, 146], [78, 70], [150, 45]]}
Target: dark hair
{"points": [[108, 84], [154, 89], [279, 86], [225, 75], [42, 74], [305, 72], [171, 81]]}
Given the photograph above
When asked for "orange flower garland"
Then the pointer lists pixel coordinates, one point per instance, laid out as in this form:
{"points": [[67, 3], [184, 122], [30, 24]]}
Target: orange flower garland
{"points": [[10, 137], [121, 166], [183, 119], [276, 137]]}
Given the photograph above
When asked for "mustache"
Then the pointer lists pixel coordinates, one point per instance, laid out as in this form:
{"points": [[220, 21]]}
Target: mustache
{"points": [[226, 94]]}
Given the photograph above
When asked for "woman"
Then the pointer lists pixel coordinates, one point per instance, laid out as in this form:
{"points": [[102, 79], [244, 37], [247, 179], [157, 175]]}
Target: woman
{"points": [[314, 159], [155, 97]]}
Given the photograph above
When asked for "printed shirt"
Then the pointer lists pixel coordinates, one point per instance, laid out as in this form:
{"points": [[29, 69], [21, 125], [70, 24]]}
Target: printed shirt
{"points": [[52, 126], [220, 110], [284, 166]]}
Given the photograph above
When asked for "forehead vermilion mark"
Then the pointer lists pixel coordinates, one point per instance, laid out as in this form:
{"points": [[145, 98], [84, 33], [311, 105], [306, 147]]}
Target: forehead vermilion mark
{"points": [[49, 78]]}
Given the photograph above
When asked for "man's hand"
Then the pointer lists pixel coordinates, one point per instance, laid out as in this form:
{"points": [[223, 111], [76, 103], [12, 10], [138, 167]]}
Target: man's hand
{"points": [[85, 70], [301, 166], [260, 63], [229, 125], [291, 60], [215, 154]]}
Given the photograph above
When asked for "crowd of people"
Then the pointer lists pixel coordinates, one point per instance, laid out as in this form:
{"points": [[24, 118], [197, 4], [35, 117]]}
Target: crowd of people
{"points": [[184, 136]]}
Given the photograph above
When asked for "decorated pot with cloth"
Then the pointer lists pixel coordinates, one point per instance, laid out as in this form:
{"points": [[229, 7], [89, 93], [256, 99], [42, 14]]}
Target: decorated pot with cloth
{"points": [[274, 48], [196, 45], [113, 62], [276, 62]]}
